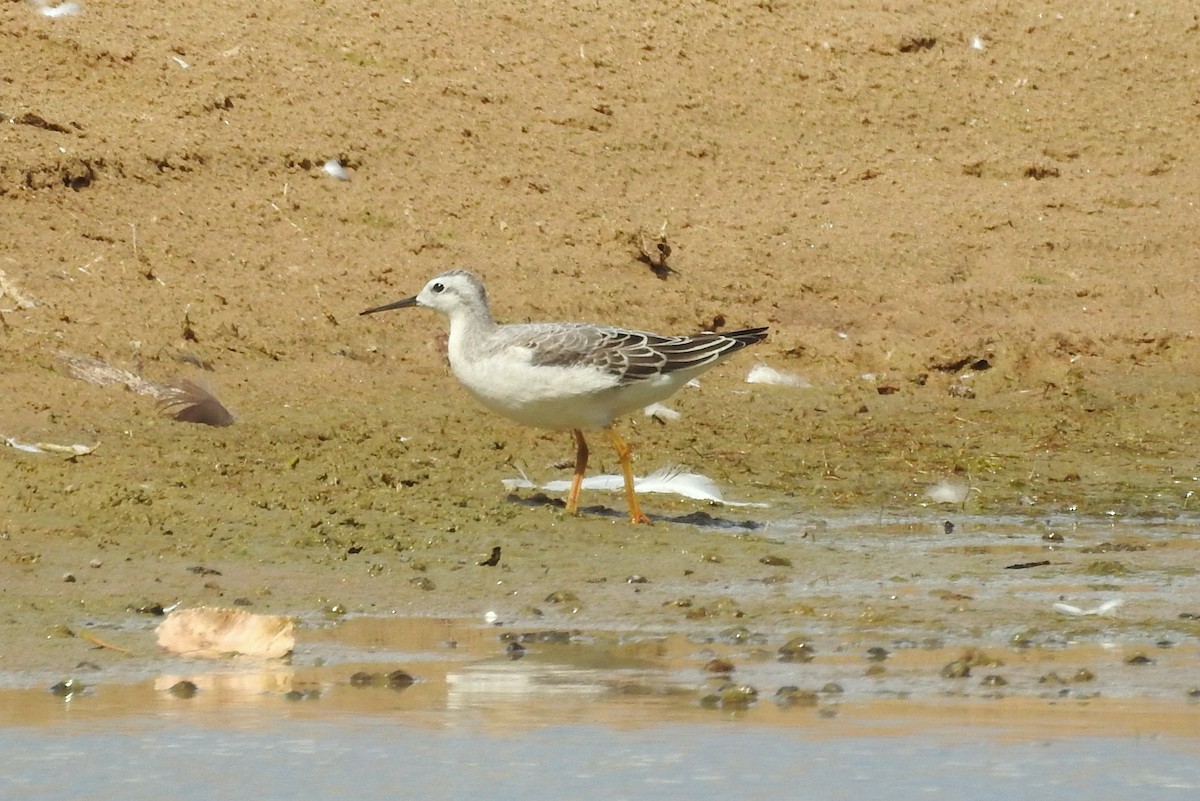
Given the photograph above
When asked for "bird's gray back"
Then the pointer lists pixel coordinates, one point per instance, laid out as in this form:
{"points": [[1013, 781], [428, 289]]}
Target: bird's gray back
{"points": [[626, 354]]}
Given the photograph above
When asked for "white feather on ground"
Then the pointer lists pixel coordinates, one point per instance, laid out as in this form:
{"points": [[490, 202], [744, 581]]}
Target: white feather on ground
{"points": [[334, 169], [670, 480], [661, 412], [102, 374], [761, 374], [61, 10], [1102, 609], [947, 492], [48, 447], [9, 289]]}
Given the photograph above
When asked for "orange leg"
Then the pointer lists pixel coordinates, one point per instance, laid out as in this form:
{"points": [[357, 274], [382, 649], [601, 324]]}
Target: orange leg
{"points": [[625, 453], [581, 455]]}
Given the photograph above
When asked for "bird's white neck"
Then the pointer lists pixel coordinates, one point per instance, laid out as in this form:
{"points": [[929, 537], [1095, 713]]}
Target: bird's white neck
{"points": [[468, 329]]}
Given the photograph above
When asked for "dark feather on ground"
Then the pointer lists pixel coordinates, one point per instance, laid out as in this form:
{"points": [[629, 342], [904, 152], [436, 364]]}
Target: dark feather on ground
{"points": [[192, 403]]}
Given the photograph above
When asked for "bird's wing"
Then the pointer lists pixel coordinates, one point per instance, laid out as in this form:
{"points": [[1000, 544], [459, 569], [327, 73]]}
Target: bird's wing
{"points": [[629, 356]]}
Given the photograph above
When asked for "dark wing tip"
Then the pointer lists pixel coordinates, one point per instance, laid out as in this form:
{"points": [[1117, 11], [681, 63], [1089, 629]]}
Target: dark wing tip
{"points": [[749, 336]]}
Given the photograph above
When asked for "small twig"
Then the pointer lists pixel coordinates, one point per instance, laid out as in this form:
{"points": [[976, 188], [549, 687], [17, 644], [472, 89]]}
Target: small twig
{"points": [[283, 216], [99, 643]]}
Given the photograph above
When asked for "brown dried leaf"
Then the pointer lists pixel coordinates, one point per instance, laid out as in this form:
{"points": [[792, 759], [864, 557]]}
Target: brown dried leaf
{"points": [[214, 632]]}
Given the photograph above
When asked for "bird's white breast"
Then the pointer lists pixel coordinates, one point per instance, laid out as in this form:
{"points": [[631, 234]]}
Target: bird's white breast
{"points": [[553, 396]]}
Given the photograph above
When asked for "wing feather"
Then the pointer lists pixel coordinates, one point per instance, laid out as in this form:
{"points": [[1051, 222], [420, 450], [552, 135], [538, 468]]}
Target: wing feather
{"points": [[628, 355]]}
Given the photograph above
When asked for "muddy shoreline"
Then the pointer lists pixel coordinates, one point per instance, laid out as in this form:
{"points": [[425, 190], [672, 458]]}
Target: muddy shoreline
{"points": [[984, 274]]}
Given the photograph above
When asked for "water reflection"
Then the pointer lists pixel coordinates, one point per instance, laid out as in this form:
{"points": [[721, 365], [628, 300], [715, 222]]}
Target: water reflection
{"points": [[602, 715], [453, 669]]}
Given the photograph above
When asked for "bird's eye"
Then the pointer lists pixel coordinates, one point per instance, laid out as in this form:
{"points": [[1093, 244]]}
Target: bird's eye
{"points": [[438, 287]]}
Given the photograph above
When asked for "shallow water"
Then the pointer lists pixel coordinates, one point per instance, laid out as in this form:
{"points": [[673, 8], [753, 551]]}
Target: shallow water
{"points": [[580, 715], [377, 757], [1091, 706]]}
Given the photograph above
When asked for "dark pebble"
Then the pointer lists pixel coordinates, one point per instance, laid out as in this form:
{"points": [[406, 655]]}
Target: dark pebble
{"points": [[789, 696], [399, 679], [958, 669], [67, 688], [362, 679], [797, 649]]}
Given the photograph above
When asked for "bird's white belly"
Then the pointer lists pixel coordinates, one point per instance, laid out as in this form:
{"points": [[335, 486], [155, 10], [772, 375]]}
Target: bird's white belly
{"points": [[556, 397]]}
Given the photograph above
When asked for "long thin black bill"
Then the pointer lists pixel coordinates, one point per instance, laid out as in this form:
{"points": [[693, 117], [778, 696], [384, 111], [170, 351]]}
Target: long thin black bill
{"points": [[400, 304]]}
